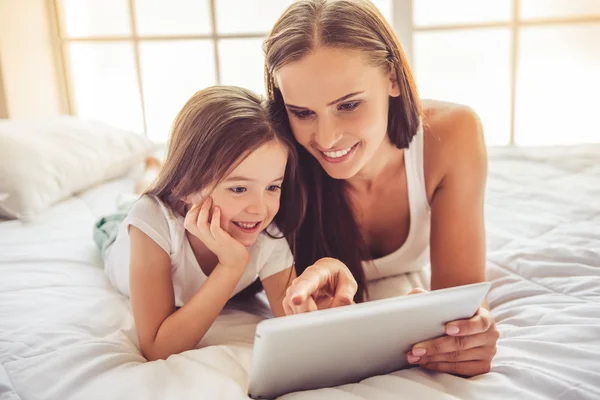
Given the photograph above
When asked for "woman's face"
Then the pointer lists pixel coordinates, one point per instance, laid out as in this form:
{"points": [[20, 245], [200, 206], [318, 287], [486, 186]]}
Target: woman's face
{"points": [[337, 104]]}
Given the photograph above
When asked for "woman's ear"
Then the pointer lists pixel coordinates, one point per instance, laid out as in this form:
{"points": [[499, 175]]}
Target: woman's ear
{"points": [[394, 88]]}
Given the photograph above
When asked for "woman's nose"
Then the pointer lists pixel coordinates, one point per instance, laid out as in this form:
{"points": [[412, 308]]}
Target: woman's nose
{"points": [[325, 135]]}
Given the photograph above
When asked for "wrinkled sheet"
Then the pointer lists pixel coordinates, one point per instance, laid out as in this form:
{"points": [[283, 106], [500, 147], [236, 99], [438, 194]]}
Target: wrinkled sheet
{"points": [[66, 334]]}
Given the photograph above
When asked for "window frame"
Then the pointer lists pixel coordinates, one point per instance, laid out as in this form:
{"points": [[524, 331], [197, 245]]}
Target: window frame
{"points": [[401, 20], [62, 42], [403, 17]]}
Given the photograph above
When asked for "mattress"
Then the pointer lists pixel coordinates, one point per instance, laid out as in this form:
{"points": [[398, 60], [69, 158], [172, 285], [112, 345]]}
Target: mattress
{"points": [[65, 333]]}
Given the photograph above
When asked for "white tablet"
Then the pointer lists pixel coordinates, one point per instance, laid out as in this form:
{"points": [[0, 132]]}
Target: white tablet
{"points": [[347, 344]]}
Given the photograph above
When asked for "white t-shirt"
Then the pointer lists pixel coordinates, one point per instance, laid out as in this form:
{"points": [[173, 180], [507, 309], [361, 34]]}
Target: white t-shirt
{"points": [[150, 215]]}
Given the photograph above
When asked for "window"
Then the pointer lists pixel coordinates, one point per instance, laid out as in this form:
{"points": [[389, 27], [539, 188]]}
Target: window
{"points": [[134, 63], [528, 67]]}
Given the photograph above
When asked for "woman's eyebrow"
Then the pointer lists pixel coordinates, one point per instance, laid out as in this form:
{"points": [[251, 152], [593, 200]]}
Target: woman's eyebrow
{"points": [[295, 107], [344, 98], [329, 104]]}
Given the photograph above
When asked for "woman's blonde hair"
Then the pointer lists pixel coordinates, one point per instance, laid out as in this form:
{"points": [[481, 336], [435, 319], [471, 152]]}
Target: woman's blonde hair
{"points": [[330, 228]]}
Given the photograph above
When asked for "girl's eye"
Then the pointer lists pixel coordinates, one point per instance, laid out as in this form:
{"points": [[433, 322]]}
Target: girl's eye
{"points": [[274, 188], [302, 114], [349, 106], [238, 189]]}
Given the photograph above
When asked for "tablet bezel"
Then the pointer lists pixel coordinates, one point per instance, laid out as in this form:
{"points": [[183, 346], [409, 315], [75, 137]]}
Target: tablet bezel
{"points": [[279, 340]]}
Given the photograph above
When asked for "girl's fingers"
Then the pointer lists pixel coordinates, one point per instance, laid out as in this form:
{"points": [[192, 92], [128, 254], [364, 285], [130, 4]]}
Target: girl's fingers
{"points": [[417, 290], [312, 280], [306, 306], [202, 221], [345, 290], [191, 217], [287, 308], [215, 224], [220, 235]]}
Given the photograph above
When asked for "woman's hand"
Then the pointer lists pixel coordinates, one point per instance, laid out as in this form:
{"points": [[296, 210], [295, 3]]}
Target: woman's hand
{"points": [[325, 284], [467, 348], [229, 251]]}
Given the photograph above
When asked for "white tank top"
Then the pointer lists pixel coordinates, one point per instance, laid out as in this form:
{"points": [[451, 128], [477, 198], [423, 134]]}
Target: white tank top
{"points": [[413, 255]]}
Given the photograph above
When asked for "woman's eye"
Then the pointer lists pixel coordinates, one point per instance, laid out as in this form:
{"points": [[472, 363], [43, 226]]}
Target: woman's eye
{"points": [[274, 188], [238, 189], [302, 114], [349, 106]]}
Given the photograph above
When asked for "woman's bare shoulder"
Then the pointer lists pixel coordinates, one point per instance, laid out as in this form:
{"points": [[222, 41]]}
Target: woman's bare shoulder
{"points": [[453, 135], [450, 122]]}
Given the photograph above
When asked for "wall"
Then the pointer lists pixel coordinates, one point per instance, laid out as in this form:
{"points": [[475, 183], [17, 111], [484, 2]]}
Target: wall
{"points": [[28, 65], [3, 105]]}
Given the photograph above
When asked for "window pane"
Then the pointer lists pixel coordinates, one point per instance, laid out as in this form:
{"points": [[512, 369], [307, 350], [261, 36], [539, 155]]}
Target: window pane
{"points": [[457, 12], [84, 18], [385, 7], [104, 83], [558, 85], [470, 67], [233, 53], [171, 72], [538, 9], [259, 16], [248, 16], [173, 17]]}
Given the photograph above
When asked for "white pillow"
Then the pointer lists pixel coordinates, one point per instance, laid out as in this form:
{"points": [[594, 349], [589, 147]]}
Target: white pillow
{"points": [[46, 160]]}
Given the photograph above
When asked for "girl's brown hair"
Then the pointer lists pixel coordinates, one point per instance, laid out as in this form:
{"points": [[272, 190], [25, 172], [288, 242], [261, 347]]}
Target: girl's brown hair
{"points": [[330, 228], [216, 129]]}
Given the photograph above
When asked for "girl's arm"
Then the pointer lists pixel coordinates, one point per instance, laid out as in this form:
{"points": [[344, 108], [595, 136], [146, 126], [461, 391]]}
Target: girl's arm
{"points": [[276, 287], [162, 330]]}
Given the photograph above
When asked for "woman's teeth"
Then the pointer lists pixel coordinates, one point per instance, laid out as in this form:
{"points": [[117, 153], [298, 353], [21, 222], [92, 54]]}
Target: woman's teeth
{"points": [[338, 154], [246, 225]]}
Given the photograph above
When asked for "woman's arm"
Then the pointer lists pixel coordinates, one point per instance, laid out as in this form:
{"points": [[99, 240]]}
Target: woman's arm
{"points": [[162, 330], [457, 221], [456, 146]]}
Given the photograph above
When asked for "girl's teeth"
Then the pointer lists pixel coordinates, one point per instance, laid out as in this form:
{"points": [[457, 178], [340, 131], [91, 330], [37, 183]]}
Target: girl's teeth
{"points": [[247, 226], [337, 154]]}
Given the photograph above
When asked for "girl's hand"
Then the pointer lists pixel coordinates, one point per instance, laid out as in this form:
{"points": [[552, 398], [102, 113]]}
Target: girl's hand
{"points": [[198, 222], [325, 284], [467, 348]]}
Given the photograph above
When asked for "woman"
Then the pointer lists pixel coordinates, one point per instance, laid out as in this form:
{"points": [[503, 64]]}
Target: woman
{"points": [[393, 184]]}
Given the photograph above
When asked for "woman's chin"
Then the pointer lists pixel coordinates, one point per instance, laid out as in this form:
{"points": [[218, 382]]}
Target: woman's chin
{"points": [[339, 171]]}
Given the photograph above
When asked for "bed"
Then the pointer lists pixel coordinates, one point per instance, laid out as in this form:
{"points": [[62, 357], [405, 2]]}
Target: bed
{"points": [[66, 334]]}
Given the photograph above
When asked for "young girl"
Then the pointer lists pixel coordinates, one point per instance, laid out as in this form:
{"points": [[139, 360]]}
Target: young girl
{"points": [[204, 230]]}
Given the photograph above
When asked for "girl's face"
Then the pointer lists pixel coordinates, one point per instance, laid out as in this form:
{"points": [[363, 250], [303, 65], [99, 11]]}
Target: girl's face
{"points": [[337, 104], [249, 196]]}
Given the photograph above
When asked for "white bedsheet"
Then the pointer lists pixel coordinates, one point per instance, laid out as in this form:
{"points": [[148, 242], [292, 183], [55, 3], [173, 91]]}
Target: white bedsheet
{"points": [[66, 334]]}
